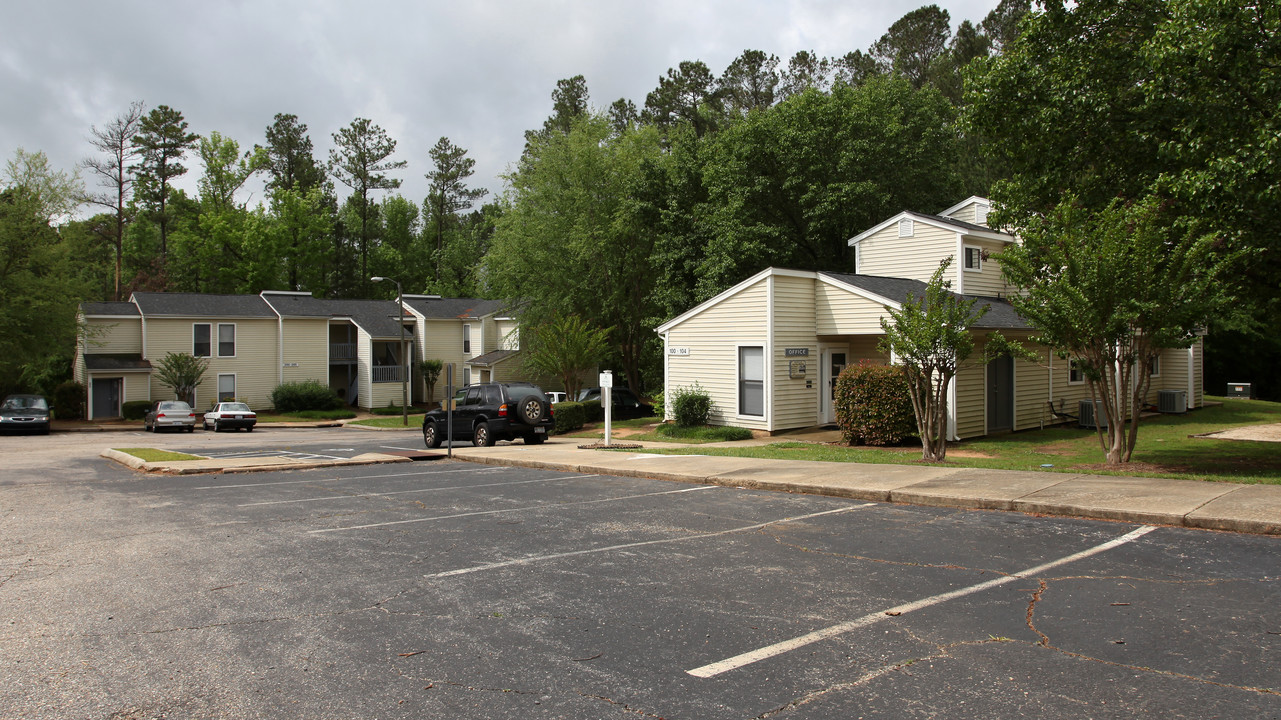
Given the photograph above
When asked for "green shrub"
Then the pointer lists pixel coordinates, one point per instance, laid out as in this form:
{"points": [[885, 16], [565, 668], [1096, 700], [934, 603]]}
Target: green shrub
{"points": [[135, 409], [873, 405], [305, 395], [660, 402], [691, 405], [593, 411], [395, 410], [68, 401], [705, 433], [570, 416]]}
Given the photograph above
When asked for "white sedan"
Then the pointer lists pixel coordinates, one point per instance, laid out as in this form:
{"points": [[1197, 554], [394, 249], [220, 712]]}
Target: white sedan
{"points": [[231, 415]]}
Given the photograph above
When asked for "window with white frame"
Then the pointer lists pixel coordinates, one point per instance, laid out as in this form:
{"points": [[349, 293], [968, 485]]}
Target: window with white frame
{"points": [[751, 380], [466, 376], [226, 387], [1076, 374], [226, 340], [467, 339], [973, 258], [201, 345], [1154, 366]]}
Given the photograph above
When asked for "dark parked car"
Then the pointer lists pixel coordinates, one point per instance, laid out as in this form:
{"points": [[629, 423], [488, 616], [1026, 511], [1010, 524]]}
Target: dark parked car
{"points": [[170, 414], [626, 404], [494, 411], [25, 412]]}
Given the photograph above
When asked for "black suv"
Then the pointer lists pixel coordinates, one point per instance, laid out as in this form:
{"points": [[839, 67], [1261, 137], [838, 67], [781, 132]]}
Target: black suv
{"points": [[490, 412]]}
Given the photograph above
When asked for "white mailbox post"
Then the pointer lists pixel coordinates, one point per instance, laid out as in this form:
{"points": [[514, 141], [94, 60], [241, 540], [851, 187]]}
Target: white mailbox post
{"points": [[606, 402]]}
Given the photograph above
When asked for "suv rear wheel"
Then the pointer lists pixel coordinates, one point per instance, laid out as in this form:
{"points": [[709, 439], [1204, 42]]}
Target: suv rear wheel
{"points": [[482, 438], [431, 438]]}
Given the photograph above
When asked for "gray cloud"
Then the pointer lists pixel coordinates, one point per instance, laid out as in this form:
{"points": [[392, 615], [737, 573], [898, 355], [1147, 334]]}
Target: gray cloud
{"points": [[480, 72]]}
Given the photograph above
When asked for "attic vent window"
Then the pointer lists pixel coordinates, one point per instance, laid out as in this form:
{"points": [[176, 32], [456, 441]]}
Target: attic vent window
{"points": [[980, 214], [905, 228]]}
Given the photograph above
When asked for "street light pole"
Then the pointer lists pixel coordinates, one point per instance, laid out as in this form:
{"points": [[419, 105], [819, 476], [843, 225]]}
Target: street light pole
{"points": [[404, 356]]}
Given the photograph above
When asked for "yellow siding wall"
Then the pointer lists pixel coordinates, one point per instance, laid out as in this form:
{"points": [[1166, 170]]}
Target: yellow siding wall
{"points": [[489, 342], [713, 337], [986, 281], [838, 311], [254, 364], [1031, 389], [507, 334], [916, 258], [794, 405], [965, 214], [443, 341], [1198, 376], [306, 342], [109, 337]]}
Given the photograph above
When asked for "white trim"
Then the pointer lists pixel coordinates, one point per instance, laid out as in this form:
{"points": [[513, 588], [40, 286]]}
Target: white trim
{"points": [[1191, 376], [971, 199], [467, 342], [952, 434], [1070, 381], [667, 383], [218, 341], [965, 256], [727, 294], [825, 377], [767, 355]]}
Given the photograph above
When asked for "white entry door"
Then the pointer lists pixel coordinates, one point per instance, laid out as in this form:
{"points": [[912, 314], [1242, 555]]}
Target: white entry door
{"points": [[832, 361]]}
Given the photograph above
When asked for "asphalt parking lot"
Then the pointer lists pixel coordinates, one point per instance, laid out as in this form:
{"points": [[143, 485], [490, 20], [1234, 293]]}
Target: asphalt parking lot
{"points": [[450, 589]]}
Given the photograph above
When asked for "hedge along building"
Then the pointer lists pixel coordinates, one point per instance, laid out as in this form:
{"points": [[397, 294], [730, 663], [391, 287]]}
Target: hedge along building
{"points": [[769, 349]]}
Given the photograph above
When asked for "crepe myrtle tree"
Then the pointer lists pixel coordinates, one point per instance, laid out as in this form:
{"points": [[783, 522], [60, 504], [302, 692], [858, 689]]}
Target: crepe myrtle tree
{"points": [[1111, 289], [182, 372], [929, 338]]}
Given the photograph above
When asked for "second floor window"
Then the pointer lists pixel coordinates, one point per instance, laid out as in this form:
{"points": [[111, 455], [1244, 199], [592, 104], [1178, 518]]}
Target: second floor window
{"points": [[200, 342], [226, 340], [467, 338]]}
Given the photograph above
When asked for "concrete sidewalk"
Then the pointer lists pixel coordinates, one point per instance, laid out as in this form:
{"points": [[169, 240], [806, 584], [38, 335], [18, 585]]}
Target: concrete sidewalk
{"points": [[1184, 503]]}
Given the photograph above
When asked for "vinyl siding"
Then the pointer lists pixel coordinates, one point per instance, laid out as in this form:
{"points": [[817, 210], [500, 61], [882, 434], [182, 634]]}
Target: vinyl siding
{"points": [[443, 340], [794, 404], [507, 334], [713, 337], [114, 337], [987, 281], [306, 342], [971, 398], [254, 363], [888, 255], [1198, 375], [838, 311], [489, 342], [1031, 389]]}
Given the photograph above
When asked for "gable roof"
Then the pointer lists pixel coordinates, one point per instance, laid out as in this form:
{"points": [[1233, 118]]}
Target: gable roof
{"points": [[376, 317], [438, 308], [939, 221], [971, 200], [201, 305], [109, 309], [1000, 314]]}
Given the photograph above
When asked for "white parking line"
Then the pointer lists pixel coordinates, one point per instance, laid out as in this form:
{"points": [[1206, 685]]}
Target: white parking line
{"points": [[486, 469], [416, 490], [738, 661], [519, 509], [684, 538]]}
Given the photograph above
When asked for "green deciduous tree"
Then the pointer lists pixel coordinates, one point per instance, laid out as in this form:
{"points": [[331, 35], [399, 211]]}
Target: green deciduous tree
{"points": [[931, 339], [181, 372], [1112, 289], [564, 348]]}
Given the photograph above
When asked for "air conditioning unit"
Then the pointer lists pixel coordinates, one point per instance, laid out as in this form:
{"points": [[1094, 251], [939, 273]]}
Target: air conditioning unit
{"points": [[1091, 414], [1172, 401]]}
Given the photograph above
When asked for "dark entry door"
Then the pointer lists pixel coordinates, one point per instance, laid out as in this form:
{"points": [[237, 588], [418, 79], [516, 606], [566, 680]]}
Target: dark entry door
{"points": [[106, 398], [1000, 394]]}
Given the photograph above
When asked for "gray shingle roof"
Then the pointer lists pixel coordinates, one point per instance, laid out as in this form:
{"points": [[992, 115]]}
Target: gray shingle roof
{"points": [[376, 317], [968, 227], [155, 304], [109, 308], [448, 308], [1000, 314], [492, 357]]}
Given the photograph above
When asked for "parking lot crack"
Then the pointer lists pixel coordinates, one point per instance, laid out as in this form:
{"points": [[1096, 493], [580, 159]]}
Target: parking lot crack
{"points": [[1031, 612], [621, 705]]}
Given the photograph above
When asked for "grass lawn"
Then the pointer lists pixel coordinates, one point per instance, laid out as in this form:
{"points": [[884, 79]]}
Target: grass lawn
{"points": [[306, 416], [692, 436], [1164, 449], [154, 455]]}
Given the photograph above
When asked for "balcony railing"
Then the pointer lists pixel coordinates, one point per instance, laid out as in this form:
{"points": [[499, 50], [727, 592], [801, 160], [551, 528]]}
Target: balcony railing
{"points": [[342, 351], [387, 373]]}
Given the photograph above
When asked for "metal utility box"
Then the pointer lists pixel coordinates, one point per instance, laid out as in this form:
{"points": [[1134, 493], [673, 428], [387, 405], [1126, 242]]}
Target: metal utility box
{"points": [[1091, 414], [1240, 390], [1172, 401]]}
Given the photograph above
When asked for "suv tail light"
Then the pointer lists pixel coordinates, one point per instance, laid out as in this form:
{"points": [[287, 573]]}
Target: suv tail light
{"points": [[502, 410]]}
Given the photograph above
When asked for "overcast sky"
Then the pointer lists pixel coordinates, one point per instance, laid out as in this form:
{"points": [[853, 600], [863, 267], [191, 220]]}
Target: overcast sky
{"points": [[480, 72]]}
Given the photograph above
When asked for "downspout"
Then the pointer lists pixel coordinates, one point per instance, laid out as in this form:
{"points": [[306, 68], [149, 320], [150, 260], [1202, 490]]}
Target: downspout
{"points": [[667, 384], [769, 355]]}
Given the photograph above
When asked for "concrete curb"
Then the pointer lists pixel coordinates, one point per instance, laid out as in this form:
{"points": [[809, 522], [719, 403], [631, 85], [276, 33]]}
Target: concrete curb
{"points": [[211, 466]]}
